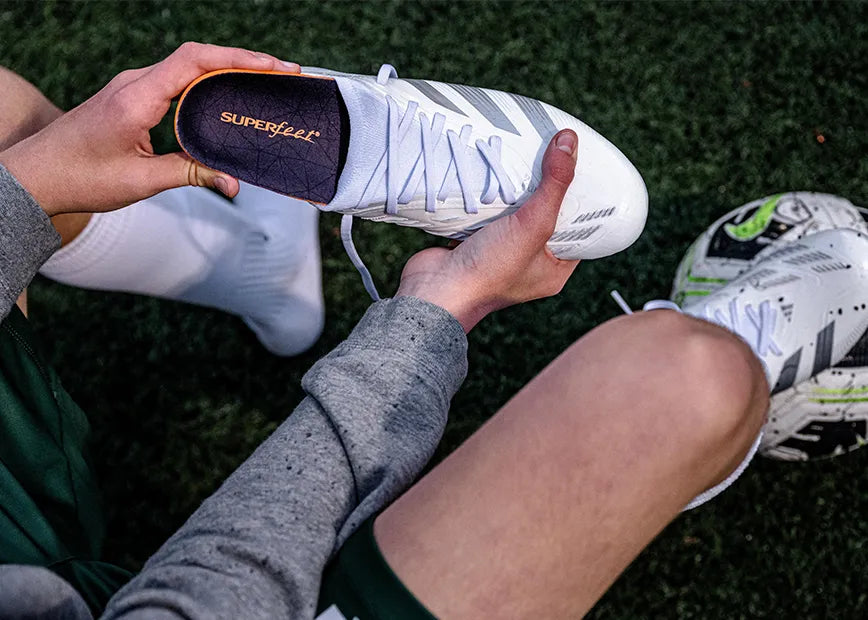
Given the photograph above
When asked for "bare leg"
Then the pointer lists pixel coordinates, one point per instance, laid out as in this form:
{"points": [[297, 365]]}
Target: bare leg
{"points": [[23, 109], [23, 112], [537, 514]]}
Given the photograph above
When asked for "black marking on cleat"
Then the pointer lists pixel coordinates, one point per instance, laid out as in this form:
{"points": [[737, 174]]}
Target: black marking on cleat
{"points": [[830, 437], [857, 356], [724, 246], [788, 373], [823, 351]]}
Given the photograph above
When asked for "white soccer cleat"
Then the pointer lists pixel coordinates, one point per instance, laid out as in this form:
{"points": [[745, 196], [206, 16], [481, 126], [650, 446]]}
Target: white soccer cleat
{"points": [[446, 158], [735, 241], [463, 156], [801, 308], [826, 415]]}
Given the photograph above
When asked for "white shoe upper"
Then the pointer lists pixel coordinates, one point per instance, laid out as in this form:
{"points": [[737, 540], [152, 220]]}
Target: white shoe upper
{"points": [[449, 159], [744, 235], [801, 307]]}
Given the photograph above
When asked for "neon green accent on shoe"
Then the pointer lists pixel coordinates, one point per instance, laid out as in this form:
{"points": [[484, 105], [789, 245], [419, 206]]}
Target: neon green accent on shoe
{"points": [[829, 401], [758, 222], [862, 390], [692, 278], [685, 277], [679, 297], [686, 265]]}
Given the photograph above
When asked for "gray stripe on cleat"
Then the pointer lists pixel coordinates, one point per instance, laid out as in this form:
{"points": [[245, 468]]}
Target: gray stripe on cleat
{"points": [[434, 95], [481, 100], [537, 115], [823, 353], [788, 372]]}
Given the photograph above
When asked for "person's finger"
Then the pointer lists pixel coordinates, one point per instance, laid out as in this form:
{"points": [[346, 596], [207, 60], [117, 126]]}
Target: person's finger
{"points": [[171, 76], [540, 213], [126, 77], [178, 169]]}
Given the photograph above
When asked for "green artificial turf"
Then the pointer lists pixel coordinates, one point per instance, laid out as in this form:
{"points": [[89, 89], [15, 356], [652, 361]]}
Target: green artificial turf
{"points": [[715, 103]]}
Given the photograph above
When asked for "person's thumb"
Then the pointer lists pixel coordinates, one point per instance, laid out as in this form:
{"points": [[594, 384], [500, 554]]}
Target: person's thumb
{"points": [[179, 169], [540, 212]]}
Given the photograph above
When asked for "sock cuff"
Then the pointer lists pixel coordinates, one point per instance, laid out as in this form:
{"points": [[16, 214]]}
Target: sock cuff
{"points": [[92, 245], [719, 488]]}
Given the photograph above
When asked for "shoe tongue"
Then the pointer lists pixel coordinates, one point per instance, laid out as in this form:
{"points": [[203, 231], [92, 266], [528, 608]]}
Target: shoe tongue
{"points": [[368, 120], [369, 130]]}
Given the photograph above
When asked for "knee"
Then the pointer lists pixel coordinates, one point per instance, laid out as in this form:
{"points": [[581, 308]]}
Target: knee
{"points": [[712, 383], [723, 390]]}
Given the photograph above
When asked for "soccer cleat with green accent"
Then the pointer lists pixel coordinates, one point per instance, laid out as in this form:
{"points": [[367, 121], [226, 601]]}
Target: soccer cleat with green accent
{"points": [[800, 308], [826, 415], [730, 245]]}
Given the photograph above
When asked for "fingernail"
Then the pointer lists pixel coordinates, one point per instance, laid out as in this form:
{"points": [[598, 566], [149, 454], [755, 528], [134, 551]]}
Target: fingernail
{"points": [[292, 66], [567, 142], [221, 184]]}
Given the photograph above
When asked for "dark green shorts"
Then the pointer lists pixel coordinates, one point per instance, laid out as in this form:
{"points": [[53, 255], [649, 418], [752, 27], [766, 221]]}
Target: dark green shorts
{"points": [[358, 583], [50, 513]]}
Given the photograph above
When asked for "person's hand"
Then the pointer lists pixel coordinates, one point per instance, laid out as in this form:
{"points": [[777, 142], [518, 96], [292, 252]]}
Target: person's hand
{"points": [[507, 262], [98, 156]]}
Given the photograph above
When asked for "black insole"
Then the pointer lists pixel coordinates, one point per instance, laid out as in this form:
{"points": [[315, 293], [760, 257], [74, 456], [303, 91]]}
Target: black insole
{"points": [[286, 133]]}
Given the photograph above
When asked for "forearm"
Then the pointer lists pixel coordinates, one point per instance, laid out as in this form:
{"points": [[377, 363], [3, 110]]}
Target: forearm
{"points": [[375, 411], [27, 239]]}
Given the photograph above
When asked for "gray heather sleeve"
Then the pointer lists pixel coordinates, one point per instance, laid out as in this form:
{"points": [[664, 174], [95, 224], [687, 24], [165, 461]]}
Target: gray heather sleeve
{"points": [[375, 410], [27, 239], [34, 592]]}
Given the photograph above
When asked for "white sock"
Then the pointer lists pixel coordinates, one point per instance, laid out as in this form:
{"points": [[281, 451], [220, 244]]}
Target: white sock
{"points": [[257, 257]]}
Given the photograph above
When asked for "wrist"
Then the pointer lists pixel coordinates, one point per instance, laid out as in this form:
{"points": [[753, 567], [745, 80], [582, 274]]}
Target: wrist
{"points": [[467, 312], [17, 161]]}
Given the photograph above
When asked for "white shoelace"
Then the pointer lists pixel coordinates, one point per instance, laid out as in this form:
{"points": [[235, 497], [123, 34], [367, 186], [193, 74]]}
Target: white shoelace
{"points": [[762, 321], [423, 170], [654, 304]]}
